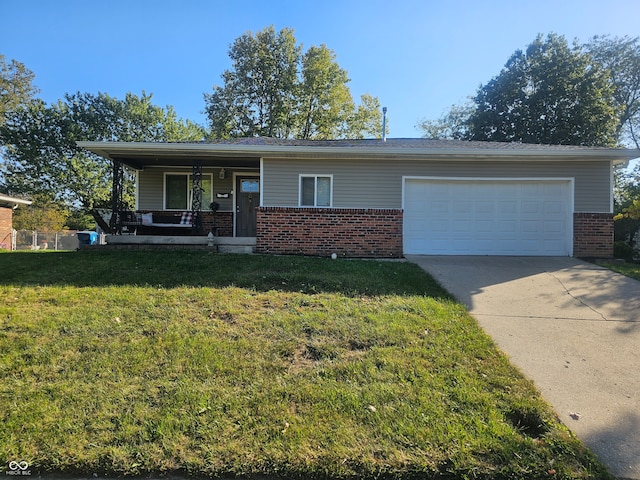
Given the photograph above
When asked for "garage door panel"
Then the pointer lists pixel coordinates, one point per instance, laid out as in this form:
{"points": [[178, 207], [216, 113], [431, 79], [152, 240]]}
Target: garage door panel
{"points": [[552, 227], [487, 217], [439, 207], [507, 226], [484, 206], [530, 207], [462, 207], [553, 190], [483, 226], [530, 227], [552, 207], [508, 207]]}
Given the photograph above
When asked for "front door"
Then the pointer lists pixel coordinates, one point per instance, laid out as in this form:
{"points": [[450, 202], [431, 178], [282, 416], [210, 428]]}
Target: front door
{"points": [[247, 199]]}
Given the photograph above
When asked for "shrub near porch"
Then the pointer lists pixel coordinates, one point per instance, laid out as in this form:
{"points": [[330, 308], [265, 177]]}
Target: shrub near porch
{"points": [[129, 363]]}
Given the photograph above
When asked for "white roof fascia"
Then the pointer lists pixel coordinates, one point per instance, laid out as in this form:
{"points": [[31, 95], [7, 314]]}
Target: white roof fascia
{"points": [[14, 202], [107, 149]]}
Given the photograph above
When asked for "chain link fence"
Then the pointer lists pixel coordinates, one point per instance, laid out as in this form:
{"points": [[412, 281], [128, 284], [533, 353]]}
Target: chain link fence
{"points": [[34, 240]]}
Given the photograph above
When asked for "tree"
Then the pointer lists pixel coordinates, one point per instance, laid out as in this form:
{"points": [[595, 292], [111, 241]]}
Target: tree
{"points": [[621, 58], [627, 205], [42, 215], [451, 125], [258, 94], [41, 156], [324, 100], [16, 86], [365, 120], [550, 93], [275, 90]]}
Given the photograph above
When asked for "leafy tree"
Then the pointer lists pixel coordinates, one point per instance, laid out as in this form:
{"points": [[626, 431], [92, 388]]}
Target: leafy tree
{"points": [[627, 205], [16, 86], [621, 58], [365, 120], [324, 101], [550, 93], [451, 125], [41, 156], [275, 90], [78, 219], [258, 97], [42, 215]]}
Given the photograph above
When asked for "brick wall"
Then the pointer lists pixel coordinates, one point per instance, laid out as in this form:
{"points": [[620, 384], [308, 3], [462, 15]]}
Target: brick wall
{"points": [[6, 218], [222, 227], [223, 224], [593, 235], [323, 231]]}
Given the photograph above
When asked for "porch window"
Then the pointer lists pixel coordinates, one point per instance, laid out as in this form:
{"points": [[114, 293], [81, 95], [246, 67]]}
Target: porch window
{"points": [[316, 190], [178, 191]]}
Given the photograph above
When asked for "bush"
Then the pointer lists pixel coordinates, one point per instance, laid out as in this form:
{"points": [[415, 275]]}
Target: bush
{"points": [[623, 250]]}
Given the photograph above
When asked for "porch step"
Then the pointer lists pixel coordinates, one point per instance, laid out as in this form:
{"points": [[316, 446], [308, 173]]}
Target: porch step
{"points": [[235, 244], [220, 244]]}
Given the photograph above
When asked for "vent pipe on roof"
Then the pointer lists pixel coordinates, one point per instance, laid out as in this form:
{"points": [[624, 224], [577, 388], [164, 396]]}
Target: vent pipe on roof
{"points": [[384, 124]]}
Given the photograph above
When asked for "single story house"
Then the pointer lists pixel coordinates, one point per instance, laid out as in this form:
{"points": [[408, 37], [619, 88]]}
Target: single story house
{"points": [[7, 206], [379, 198]]}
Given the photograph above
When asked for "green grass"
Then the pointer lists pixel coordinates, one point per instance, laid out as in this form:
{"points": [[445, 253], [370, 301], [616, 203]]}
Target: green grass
{"points": [[629, 269], [131, 363]]}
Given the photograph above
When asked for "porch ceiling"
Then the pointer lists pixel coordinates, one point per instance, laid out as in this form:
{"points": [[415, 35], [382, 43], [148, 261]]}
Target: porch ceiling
{"points": [[140, 156], [141, 162]]}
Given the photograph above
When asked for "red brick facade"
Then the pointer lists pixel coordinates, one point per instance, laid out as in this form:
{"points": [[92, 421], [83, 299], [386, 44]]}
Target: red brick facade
{"points": [[6, 219], [347, 232], [223, 226], [593, 235], [378, 233]]}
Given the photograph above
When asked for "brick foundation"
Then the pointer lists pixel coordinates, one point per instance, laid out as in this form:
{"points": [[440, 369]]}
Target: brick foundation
{"points": [[6, 219], [593, 235], [322, 231]]}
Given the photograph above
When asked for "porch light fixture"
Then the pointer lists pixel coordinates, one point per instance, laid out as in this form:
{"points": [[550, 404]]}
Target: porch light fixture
{"points": [[222, 174]]}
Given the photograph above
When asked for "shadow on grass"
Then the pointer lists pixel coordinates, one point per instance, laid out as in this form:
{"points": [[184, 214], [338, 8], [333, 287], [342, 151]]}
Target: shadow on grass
{"points": [[170, 269]]}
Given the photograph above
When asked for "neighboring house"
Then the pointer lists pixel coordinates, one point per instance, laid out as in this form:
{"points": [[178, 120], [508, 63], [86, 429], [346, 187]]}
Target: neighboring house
{"points": [[375, 198], [7, 205]]}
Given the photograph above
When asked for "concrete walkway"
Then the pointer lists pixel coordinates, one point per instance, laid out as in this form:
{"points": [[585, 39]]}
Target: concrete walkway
{"points": [[571, 327]]}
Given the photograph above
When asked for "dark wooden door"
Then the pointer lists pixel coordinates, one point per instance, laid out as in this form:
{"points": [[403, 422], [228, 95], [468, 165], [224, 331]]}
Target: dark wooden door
{"points": [[247, 199]]}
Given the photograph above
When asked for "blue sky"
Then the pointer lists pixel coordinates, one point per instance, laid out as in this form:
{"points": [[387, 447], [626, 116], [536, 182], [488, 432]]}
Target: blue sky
{"points": [[418, 57]]}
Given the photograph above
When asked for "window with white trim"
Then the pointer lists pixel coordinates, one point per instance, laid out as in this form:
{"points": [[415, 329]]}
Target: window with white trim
{"points": [[316, 190], [178, 191]]}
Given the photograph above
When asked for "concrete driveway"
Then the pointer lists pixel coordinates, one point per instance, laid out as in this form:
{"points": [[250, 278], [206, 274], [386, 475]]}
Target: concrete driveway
{"points": [[571, 327]]}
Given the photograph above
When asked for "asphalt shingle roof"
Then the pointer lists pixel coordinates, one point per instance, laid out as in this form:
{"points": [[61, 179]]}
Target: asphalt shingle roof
{"points": [[408, 143]]}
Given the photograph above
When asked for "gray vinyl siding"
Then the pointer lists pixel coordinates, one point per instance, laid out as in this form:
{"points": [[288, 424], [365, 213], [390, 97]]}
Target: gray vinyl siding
{"points": [[151, 187], [378, 183]]}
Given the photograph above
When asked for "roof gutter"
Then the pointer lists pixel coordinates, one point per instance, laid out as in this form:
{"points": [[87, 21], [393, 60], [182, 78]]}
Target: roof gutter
{"points": [[13, 202]]}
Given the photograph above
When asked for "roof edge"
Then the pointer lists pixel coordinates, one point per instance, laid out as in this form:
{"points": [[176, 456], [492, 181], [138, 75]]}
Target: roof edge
{"points": [[6, 199], [108, 149]]}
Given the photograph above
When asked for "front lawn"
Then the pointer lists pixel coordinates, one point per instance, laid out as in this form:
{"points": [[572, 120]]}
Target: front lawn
{"points": [[629, 269], [131, 363]]}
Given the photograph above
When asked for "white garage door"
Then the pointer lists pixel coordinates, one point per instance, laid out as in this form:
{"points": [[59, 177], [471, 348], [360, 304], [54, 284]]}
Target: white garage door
{"points": [[487, 217]]}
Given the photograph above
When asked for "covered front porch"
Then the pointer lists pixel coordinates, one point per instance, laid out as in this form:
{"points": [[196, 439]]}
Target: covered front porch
{"points": [[184, 195]]}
